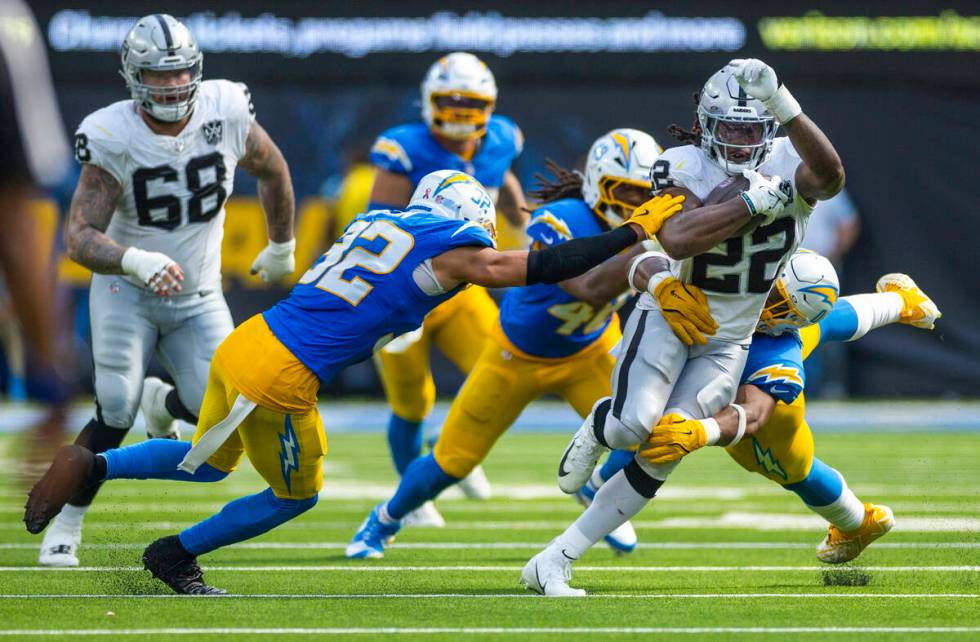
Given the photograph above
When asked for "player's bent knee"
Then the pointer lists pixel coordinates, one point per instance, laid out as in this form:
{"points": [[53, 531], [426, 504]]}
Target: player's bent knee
{"points": [[117, 399], [624, 433], [456, 462]]}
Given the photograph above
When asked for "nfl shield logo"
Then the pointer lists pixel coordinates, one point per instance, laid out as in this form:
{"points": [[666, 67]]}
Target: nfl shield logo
{"points": [[212, 132]]}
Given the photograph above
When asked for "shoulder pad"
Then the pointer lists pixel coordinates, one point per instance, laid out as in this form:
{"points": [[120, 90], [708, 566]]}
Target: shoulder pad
{"points": [[389, 154], [677, 167], [509, 132], [548, 225]]}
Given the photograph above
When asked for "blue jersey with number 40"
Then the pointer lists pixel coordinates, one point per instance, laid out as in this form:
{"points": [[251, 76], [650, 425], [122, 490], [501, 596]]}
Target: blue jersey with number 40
{"points": [[543, 320], [361, 293]]}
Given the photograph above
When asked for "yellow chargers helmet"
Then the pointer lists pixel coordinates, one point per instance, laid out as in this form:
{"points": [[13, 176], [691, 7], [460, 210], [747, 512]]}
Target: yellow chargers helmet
{"points": [[459, 94], [617, 173], [804, 293]]}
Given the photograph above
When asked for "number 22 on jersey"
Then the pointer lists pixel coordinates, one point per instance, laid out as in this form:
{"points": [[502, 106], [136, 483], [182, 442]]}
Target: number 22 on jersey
{"points": [[346, 254]]}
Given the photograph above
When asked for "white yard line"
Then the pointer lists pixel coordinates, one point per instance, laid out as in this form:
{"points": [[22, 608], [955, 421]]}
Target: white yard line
{"points": [[486, 596], [633, 630], [371, 568], [451, 546]]}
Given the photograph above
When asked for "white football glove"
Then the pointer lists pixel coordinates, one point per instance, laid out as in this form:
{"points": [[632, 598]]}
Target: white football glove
{"points": [[157, 271], [765, 196], [759, 81], [275, 261], [918, 310]]}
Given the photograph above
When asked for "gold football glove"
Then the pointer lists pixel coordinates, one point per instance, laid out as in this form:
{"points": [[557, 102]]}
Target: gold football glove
{"points": [[919, 310], [673, 438], [685, 308], [652, 214]]}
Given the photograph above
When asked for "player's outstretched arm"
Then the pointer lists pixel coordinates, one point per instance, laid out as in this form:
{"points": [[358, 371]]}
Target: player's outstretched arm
{"points": [[821, 175], [264, 161], [675, 436], [604, 282], [511, 202], [490, 268]]}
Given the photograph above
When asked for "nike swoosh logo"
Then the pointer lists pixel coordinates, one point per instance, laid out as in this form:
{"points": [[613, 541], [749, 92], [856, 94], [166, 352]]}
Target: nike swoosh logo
{"points": [[687, 433], [561, 465], [567, 556]]}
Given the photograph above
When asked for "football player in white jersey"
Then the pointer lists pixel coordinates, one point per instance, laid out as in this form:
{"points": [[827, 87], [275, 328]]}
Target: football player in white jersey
{"points": [[733, 251], [147, 218]]}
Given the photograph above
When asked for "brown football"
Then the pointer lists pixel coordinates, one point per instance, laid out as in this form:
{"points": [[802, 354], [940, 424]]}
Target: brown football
{"points": [[728, 189]]}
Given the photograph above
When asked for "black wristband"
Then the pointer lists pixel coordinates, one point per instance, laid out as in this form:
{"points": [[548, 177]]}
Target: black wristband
{"points": [[572, 258]]}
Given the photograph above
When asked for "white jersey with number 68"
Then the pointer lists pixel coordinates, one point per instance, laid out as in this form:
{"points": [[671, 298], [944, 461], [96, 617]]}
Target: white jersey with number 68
{"points": [[174, 188], [737, 274]]}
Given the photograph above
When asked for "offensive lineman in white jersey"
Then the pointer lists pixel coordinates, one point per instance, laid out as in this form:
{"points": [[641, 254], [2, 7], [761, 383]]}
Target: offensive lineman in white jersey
{"points": [[733, 251], [147, 218]]}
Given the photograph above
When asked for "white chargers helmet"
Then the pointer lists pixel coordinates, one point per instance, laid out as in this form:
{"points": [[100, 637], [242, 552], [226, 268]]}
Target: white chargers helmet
{"points": [[160, 42], [458, 196], [617, 173], [804, 293], [459, 94], [736, 130]]}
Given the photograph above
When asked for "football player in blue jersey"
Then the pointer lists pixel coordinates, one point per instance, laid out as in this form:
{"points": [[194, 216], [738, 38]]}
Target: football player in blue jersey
{"points": [[551, 338], [765, 430], [379, 280], [460, 131]]}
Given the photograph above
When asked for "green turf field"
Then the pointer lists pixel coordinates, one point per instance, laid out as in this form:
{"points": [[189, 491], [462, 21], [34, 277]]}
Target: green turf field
{"points": [[724, 555]]}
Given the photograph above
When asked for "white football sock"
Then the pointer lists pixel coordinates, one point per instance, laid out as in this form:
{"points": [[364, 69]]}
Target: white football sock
{"points": [[72, 515], [846, 512], [615, 503]]}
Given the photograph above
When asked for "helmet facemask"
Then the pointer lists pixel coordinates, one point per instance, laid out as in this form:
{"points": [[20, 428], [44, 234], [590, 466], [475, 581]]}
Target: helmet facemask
{"points": [[460, 115], [738, 140], [618, 197], [780, 314]]}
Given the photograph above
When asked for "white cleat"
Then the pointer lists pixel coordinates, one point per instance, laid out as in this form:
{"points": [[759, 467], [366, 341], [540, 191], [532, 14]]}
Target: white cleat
{"points": [[548, 573], [580, 457], [425, 515], [60, 545], [159, 423], [476, 485]]}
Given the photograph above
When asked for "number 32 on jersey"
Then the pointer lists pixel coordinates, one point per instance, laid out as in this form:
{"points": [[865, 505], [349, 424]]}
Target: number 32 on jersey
{"points": [[347, 253]]}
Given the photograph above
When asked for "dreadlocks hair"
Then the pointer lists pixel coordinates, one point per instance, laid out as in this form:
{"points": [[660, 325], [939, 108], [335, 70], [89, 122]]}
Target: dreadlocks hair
{"points": [[566, 183], [692, 137]]}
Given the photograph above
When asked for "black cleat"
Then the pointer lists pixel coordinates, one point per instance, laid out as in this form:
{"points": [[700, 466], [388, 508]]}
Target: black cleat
{"points": [[169, 562], [70, 472]]}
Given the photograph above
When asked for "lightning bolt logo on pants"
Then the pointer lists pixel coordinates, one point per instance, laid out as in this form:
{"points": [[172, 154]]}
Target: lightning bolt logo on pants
{"points": [[289, 452]]}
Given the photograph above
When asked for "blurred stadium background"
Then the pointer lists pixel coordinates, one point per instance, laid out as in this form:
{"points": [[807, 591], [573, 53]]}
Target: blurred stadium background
{"points": [[894, 85]]}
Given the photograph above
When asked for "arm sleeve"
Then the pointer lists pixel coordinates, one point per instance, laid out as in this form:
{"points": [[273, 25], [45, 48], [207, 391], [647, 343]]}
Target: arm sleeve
{"points": [[854, 316], [575, 257]]}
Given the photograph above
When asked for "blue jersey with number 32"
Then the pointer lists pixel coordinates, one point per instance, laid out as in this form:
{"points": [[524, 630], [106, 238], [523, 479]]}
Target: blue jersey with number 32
{"points": [[543, 320], [361, 293]]}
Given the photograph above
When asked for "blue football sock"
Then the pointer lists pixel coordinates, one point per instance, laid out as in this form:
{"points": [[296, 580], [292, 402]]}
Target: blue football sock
{"points": [[156, 459], [405, 441], [822, 486], [242, 519], [615, 462], [423, 480]]}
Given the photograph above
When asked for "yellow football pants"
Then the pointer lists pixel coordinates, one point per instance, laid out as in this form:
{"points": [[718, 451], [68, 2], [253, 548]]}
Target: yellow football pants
{"points": [[781, 450], [287, 445], [504, 381], [457, 328]]}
